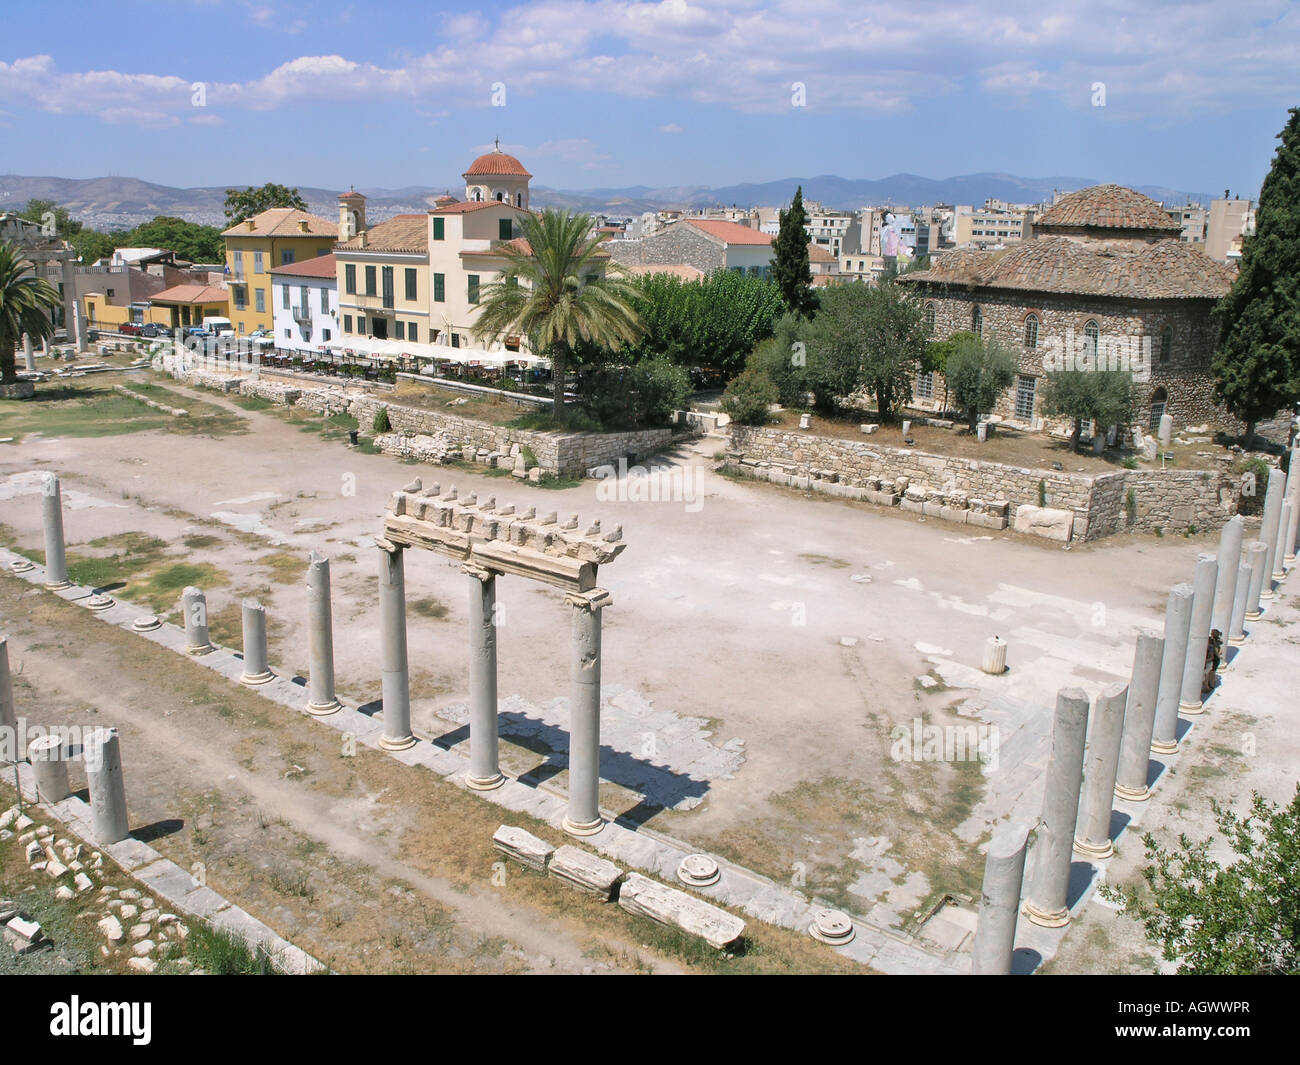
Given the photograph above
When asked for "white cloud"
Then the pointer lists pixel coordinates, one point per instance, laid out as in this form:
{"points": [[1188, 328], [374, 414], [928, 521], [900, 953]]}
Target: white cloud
{"points": [[1158, 59], [672, 127]]}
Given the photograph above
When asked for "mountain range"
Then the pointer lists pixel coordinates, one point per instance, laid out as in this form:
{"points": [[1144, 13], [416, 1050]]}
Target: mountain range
{"points": [[114, 202]]}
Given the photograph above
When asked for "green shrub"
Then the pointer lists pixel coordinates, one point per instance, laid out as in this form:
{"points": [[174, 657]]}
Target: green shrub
{"points": [[749, 397], [641, 396], [381, 423], [1253, 475]]}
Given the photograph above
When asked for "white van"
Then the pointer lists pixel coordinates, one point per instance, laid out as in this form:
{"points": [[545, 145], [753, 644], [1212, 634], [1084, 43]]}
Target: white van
{"points": [[218, 327]]}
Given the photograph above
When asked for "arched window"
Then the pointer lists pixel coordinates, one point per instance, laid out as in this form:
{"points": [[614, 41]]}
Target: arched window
{"points": [[519, 199], [501, 197], [1031, 331], [1159, 406], [977, 320], [1166, 343], [1091, 337], [477, 196], [929, 317]]}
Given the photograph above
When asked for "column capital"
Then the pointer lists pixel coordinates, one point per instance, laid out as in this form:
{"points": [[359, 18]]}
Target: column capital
{"points": [[385, 544], [596, 599], [473, 569]]}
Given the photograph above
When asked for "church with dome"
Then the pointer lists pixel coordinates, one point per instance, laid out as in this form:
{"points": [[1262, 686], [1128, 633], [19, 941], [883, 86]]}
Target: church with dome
{"points": [[1105, 271]]}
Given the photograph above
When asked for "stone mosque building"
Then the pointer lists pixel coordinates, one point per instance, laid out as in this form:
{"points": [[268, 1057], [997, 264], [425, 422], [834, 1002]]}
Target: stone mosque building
{"points": [[1106, 270]]}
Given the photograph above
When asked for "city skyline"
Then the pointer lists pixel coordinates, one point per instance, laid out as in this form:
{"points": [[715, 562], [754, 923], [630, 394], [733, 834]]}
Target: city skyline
{"points": [[606, 93]]}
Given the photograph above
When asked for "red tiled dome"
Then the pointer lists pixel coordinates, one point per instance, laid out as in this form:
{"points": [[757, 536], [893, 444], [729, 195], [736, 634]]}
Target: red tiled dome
{"points": [[497, 163], [1106, 207]]}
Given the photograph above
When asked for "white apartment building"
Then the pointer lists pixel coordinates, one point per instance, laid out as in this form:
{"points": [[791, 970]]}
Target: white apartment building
{"points": [[305, 304]]}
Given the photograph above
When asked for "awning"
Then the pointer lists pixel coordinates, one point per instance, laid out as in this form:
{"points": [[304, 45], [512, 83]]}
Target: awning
{"points": [[370, 347]]}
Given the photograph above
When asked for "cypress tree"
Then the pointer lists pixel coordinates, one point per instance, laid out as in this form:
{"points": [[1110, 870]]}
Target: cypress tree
{"points": [[1257, 365], [790, 267]]}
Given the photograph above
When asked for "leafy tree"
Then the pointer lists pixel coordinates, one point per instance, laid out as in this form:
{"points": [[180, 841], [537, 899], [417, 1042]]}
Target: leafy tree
{"points": [[552, 290], [713, 322], [1242, 919], [196, 243], [243, 203], [749, 397], [783, 360], [25, 305], [866, 336], [44, 212], [1257, 364], [977, 374], [937, 354], [1102, 396], [790, 269], [92, 245], [643, 395]]}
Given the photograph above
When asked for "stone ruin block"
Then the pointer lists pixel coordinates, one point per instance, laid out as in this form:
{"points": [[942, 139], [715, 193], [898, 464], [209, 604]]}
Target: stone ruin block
{"points": [[1047, 522], [648, 898], [956, 514], [586, 872], [523, 847]]}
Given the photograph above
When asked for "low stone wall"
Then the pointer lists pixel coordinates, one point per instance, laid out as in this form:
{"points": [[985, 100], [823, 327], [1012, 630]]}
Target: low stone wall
{"points": [[443, 435], [1049, 503]]}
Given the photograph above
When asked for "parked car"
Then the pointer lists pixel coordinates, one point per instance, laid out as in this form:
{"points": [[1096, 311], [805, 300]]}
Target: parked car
{"points": [[131, 329], [153, 329]]}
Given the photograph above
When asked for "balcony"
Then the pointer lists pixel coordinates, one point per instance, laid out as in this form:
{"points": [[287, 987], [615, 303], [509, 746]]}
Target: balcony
{"points": [[302, 314]]}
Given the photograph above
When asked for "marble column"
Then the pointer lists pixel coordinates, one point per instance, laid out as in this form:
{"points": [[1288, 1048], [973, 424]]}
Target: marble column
{"points": [[256, 669], [1268, 529], [194, 605], [8, 715], [107, 791], [1178, 620], [1048, 903], [484, 746], [320, 638], [70, 320], [393, 658], [1279, 549], [1225, 583], [1292, 530], [56, 563], [50, 768], [1198, 638], [1256, 554], [583, 818], [1140, 718], [1004, 874], [1237, 626], [1101, 764], [29, 360]]}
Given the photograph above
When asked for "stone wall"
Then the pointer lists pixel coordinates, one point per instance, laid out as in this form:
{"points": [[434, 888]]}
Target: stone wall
{"points": [[954, 488], [445, 435]]}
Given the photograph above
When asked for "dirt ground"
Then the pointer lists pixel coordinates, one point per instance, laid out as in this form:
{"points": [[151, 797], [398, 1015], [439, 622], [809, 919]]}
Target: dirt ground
{"points": [[761, 646]]}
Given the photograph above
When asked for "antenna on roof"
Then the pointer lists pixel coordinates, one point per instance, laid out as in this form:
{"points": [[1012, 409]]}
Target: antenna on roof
{"points": [[498, 142]]}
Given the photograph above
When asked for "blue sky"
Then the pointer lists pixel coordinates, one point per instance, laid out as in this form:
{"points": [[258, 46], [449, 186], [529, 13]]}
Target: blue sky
{"points": [[615, 93]]}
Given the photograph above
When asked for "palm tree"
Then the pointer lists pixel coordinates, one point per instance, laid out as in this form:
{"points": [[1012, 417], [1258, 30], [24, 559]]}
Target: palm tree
{"points": [[24, 305], [552, 290]]}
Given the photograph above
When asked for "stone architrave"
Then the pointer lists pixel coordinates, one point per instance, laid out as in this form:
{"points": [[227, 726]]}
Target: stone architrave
{"points": [[1198, 637], [1256, 555], [396, 680], [1225, 583], [1004, 873], [484, 738], [1268, 529], [320, 638], [107, 791], [256, 669], [583, 817], [1178, 622], [1140, 718], [1101, 765], [1048, 902], [56, 563]]}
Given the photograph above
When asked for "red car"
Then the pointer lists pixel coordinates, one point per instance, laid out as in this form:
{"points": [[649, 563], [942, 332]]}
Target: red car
{"points": [[131, 329]]}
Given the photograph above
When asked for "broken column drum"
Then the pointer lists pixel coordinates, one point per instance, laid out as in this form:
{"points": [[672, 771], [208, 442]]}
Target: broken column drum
{"points": [[490, 541], [1004, 873], [107, 791], [48, 756], [194, 605], [256, 669]]}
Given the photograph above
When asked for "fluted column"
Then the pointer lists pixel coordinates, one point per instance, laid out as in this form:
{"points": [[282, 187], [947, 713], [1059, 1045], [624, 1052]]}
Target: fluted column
{"points": [[484, 742], [584, 818]]}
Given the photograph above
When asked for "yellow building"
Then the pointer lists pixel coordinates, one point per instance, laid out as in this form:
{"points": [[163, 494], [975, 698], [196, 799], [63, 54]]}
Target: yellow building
{"points": [[255, 246], [183, 305]]}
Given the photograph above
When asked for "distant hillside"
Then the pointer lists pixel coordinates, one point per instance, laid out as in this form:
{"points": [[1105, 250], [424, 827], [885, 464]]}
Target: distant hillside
{"points": [[108, 203]]}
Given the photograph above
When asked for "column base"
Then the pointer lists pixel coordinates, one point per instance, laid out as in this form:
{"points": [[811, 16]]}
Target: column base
{"points": [[1254, 615], [402, 743], [1046, 918], [1133, 794], [1279, 576], [484, 783], [1093, 850], [1236, 641], [256, 678], [1266, 595], [1191, 708], [586, 828], [206, 649], [324, 709], [58, 586], [1158, 747], [1289, 559]]}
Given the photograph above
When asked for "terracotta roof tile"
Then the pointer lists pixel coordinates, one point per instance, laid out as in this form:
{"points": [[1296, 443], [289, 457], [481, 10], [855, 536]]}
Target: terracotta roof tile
{"points": [[498, 163], [1107, 207], [283, 222], [402, 232], [321, 266], [191, 294], [729, 232]]}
